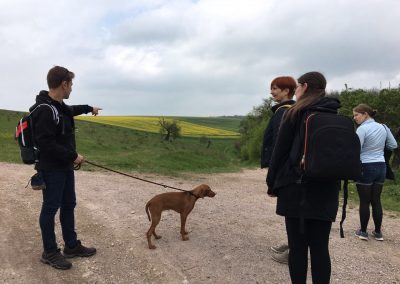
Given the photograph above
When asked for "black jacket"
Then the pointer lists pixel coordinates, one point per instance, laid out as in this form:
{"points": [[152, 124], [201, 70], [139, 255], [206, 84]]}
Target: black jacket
{"points": [[296, 197], [271, 132], [55, 141]]}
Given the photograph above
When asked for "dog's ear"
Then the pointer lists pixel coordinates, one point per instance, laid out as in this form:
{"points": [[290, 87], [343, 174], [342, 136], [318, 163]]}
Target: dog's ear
{"points": [[201, 190]]}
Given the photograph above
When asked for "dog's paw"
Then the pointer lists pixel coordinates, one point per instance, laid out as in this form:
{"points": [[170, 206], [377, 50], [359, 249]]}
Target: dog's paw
{"points": [[157, 237], [152, 246], [184, 238]]}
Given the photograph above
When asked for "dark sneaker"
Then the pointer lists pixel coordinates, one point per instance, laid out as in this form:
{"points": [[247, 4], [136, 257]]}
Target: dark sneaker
{"points": [[377, 236], [362, 235], [56, 260], [281, 257], [280, 248], [78, 250]]}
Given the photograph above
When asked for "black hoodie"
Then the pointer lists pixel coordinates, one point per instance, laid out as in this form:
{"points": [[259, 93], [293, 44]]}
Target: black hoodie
{"points": [[55, 141]]}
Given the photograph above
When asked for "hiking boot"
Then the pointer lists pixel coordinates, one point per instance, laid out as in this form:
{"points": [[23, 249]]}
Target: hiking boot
{"points": [[280, 248], [377, 236], [78, 250], [281, 257], [56, 260], [362, 235]]}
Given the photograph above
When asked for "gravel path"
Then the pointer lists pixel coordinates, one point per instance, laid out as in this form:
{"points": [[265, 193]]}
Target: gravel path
{"points": [[230, 234]]}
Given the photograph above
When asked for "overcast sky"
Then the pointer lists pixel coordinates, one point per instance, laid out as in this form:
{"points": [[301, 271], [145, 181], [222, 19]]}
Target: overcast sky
{"points": [[192, 58]]}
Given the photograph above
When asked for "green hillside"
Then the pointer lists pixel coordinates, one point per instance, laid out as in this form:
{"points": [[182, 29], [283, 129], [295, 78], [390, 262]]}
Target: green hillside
{"points": [[128, 149], [9, 148]]}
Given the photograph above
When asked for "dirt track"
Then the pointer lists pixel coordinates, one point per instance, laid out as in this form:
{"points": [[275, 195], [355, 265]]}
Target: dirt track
{"points": [[230, 235]]}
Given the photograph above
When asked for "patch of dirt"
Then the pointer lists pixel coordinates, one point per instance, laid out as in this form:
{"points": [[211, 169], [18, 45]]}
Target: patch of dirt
{"points": [[230, 234]]}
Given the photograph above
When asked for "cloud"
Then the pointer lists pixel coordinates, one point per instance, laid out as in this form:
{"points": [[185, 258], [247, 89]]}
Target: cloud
{"points": [[202, 57]]}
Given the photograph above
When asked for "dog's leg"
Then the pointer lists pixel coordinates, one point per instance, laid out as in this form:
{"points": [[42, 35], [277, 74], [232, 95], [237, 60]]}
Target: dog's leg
{"points": [[155, 235], [183, 223], [155, 219]]}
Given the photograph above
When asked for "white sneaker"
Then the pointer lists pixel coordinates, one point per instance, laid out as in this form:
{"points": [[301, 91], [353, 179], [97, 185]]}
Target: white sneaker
{"points": [[280, 248], [281, 257]]}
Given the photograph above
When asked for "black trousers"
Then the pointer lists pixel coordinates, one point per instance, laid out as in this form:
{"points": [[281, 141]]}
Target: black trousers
{"points": [[315, 236]]}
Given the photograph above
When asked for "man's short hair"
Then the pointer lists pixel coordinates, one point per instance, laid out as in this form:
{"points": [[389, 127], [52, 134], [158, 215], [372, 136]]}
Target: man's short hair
{"points": [[57, 75]]}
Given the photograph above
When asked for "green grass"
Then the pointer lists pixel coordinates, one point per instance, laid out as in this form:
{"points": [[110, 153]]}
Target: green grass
{"points": [[126, 149], [146, 152], [9, 147]]}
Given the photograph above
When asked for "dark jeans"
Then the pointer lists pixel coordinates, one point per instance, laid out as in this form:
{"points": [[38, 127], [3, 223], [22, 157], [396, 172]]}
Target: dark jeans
{"points": [[372, 173], [316, 237], [59, 193]]}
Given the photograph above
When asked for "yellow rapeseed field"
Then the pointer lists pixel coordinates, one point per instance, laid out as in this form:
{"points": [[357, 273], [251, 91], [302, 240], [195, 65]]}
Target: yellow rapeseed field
{"points": [[151, 124]]}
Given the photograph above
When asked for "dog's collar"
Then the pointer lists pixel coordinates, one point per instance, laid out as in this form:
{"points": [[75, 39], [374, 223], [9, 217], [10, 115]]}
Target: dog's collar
{"points": [[191, 193]]}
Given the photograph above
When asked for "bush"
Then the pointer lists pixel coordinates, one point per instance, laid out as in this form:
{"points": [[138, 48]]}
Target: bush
{"points": [[252, 131]]}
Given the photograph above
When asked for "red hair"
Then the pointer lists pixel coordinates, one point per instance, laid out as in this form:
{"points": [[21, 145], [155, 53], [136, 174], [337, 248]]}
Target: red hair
{"points": [[285, 82]]}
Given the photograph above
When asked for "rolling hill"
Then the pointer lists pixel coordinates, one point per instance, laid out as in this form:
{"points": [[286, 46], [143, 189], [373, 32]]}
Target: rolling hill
{"points": [[124, 145]]}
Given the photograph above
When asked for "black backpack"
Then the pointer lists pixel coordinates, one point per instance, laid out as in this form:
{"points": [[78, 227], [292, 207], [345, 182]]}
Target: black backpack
{"points": [[331, 148], [25, 136], [331, 151]]}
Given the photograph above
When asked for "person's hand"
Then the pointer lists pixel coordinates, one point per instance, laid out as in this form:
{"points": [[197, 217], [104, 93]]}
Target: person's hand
{"points": [[95, 110], [79, 160], [270, 192]]}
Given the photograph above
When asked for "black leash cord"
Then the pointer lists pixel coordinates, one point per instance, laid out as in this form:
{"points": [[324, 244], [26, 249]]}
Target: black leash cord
{"points": [[124, 174]]}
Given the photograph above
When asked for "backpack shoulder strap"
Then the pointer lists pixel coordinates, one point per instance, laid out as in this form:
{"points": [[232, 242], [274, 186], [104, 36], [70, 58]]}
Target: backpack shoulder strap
{"points": [[56, 116], [283, 106]]}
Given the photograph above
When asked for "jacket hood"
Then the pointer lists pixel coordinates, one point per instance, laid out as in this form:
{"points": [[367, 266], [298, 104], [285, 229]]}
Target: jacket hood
{"points": [[42, 98], [326, 104]]}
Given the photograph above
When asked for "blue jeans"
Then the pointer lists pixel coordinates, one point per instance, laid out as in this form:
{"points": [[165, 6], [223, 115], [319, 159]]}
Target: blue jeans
{"points": [[59, 193], [372, 173]]}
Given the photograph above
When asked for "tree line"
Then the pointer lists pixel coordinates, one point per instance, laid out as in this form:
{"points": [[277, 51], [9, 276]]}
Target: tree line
{"points": [[385, 101]]}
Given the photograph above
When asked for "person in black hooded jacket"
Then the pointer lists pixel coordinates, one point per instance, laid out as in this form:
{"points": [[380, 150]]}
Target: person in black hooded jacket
{"points": [[54, 130], [282, 91], [309, 207]]}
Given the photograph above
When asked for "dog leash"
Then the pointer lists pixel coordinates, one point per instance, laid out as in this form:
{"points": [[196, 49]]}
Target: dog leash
{"points": [[131, 176]]}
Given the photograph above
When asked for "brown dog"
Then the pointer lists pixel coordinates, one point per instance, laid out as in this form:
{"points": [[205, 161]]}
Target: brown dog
{"points": [[181, 202]]}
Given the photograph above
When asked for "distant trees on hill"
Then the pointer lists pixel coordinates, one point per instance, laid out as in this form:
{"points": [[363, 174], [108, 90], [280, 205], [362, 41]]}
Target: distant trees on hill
{"points": [[169, 129], [385, 101]]}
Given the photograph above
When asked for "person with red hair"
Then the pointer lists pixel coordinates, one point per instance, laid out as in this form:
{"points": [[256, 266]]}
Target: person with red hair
{"points": [[282, 92]]}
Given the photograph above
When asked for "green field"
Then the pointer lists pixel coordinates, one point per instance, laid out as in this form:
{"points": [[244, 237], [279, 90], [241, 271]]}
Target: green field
{"points": [[139, 148], [190, 126]]}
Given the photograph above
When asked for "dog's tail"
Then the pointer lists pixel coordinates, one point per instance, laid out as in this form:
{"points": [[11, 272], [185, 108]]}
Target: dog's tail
{"points": [[147, 210]]}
